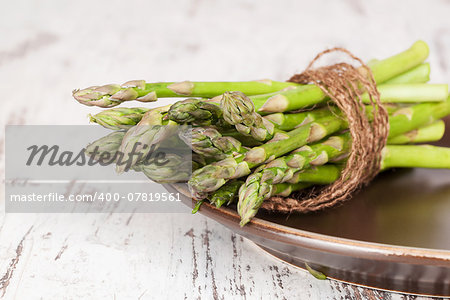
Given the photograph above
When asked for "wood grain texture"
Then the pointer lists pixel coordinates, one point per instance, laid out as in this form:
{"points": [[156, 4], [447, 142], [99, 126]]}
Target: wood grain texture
{"points": [[51, 47]]}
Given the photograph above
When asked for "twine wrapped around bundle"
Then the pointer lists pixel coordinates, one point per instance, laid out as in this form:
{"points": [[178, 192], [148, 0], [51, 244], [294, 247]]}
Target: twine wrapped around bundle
{"points": [[344, 84]]}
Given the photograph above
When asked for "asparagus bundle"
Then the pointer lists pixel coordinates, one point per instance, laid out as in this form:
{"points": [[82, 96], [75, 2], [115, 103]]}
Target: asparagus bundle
{"points": [[257, 139]]}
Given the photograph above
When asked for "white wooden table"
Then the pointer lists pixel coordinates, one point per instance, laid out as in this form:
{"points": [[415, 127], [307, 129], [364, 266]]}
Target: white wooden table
{"points": [[50, 47]]}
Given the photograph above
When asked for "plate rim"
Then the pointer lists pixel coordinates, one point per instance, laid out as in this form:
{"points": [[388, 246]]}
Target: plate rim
{"points": [[323, 242]]}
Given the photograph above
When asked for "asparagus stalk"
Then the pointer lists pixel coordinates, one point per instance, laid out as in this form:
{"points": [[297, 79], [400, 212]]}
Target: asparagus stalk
{"points": [[428, 133], [415, 156], [113, 94], [213, 176], [208, 142], [419, 74], [119, 118], [412, 117], [400, 63], [412, 92], [308, 95]]}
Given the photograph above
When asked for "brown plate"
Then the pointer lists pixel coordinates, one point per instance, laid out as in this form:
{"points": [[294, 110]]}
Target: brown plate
{"points": [[393, 235]]}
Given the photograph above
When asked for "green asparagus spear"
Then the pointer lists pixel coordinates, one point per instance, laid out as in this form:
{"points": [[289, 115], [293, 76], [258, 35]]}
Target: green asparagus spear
{"points": [[415, 156], [419, 74], [113, 94], [428, 133], [412, 92], [308, 95]]}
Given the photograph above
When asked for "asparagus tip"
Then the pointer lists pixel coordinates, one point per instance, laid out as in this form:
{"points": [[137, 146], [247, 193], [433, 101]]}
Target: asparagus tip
{"points": [[97, 95]]}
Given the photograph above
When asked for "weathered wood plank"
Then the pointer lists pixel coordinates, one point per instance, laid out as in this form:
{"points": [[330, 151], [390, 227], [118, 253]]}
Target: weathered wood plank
{"points": [[50, 47]]}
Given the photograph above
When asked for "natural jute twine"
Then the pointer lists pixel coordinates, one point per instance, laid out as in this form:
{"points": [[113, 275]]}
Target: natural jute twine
{"points": [[344, 84]]}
